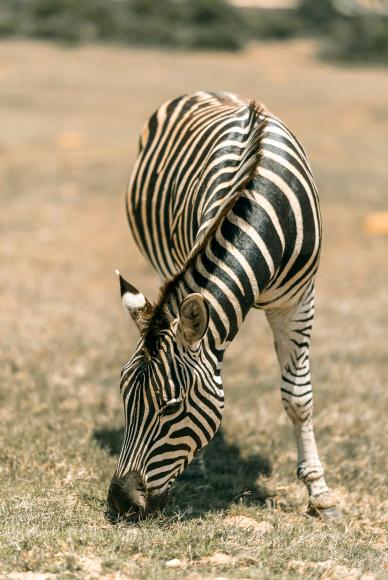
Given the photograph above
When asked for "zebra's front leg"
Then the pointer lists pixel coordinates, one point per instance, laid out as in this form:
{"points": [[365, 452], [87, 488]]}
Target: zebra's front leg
{"points": [[291, 328]]}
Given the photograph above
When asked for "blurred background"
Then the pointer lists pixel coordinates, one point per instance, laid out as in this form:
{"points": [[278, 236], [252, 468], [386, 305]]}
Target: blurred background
{"points": [[351, 30], [77, 81]]}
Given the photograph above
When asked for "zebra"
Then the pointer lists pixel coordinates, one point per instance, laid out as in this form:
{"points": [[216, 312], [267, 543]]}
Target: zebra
{"points": [[223, 204]]}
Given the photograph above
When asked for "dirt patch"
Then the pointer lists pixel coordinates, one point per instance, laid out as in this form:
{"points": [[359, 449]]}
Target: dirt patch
{"points": [[260, 528], [91, 567], [218, 559], [329, 570], [28, 576]]}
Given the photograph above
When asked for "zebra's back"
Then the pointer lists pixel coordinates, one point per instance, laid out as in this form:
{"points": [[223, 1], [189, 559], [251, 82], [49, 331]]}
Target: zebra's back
{"points": [[191, 153]]}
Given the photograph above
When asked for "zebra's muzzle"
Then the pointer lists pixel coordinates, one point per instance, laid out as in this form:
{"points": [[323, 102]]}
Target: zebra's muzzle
{"points": [[127, 496]]}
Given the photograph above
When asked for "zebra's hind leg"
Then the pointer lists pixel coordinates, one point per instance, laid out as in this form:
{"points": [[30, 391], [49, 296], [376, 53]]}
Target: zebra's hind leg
{"points": [[291, 328]]}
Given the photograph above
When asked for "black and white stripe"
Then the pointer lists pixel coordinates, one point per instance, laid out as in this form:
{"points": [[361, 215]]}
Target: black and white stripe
{"points": [[223, 204]]}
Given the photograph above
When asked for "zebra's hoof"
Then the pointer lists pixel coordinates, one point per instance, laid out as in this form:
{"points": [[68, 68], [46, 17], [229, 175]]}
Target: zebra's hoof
{"points": [[323, 506], [330, 513]]}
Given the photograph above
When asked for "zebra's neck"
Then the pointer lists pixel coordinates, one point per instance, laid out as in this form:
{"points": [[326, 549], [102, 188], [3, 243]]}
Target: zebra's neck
{"points": [[216, 263], [218, 276]]}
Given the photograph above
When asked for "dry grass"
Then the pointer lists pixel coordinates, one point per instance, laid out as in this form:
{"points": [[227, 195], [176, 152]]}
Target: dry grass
{"points": [[70, 120]]}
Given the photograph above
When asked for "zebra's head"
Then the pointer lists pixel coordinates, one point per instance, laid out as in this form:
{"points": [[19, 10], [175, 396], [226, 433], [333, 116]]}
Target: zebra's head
{"points": [[173, 401]]}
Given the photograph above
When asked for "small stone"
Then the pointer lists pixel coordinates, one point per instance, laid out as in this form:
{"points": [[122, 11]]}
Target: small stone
{"points": [[174, 563]]}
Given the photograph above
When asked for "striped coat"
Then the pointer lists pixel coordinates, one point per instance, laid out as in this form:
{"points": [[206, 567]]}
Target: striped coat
{"points": [[223, 204]]}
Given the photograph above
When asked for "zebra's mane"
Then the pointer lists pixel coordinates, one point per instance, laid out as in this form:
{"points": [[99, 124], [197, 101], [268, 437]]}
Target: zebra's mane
{"points": [[250, 159]]}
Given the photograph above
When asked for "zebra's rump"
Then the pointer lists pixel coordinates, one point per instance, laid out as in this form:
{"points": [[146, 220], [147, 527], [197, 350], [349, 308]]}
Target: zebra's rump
{"points": [[192, 152]]}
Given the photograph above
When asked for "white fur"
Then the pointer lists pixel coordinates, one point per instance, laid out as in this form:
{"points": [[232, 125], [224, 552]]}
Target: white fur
{"points": [[218, 379], [132, 301]]}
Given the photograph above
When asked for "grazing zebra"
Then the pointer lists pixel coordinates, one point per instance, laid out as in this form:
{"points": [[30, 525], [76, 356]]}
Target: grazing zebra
{"points": [[223, 204]]}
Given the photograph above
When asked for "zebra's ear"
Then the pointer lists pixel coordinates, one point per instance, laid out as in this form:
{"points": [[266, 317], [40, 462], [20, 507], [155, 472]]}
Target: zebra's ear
{"points": [[193, 319], [136, 303]]}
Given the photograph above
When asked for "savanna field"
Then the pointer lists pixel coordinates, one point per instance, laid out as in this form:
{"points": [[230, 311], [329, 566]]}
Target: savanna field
{"points": [[70, 119]]}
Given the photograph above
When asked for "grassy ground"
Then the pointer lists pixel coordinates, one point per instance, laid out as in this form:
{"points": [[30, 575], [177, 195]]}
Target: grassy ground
{"points": [[69, 124]]}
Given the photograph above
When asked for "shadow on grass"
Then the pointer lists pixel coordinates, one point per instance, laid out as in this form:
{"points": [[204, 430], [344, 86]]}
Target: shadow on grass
{"points": [[230, 478]]}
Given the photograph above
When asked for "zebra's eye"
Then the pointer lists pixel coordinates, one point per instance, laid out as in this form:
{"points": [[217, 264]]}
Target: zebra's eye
{"points": [[170, 408]]}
